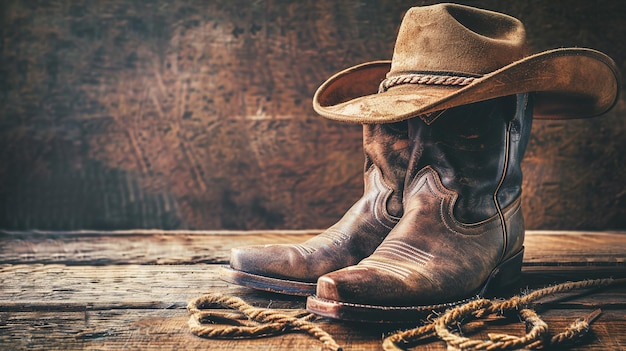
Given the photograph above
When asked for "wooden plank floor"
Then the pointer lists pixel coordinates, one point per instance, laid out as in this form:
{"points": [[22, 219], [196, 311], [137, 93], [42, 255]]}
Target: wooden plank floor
{"points": [[128, 290]]}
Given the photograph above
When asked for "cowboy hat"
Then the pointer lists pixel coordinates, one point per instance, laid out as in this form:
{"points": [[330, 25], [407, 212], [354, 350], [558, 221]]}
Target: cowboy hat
{"points": [[448, 55]]}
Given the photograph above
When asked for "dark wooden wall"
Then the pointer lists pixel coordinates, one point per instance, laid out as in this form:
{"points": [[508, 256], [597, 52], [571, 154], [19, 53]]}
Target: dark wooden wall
{"points": [[197, 114]]}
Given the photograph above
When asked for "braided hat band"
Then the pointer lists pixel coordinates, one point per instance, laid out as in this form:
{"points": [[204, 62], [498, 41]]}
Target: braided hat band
{"points": [[425, 78]]}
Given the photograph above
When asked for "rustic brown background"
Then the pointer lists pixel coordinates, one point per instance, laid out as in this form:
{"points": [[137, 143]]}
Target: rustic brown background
{"points": [[197, 114]]}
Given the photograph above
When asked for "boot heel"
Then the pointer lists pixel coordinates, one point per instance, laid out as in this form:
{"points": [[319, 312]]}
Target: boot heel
{"points": [[504, 276]]}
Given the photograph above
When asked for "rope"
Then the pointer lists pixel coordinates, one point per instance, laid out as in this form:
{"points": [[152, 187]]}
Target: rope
{"points": [[427, 79], [536, 337], [254, 322], [268, 322]]}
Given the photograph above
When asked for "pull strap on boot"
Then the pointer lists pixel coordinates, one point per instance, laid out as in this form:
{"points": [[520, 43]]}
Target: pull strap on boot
{"points": [[462, 230], [294, 268]]}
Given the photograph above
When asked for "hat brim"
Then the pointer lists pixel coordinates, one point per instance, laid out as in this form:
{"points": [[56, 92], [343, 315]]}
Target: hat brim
{"points": [[569, 83]]}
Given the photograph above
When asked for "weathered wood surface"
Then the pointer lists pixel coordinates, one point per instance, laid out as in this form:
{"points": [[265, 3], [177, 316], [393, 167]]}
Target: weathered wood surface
{"points": [[197, 114], [79, 288], [126, 329], [134, 247], [187, 247], [128, 290]]}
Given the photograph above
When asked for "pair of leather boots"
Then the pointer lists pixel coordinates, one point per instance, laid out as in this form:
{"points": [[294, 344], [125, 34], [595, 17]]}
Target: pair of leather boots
{"points": [[439, 221]]}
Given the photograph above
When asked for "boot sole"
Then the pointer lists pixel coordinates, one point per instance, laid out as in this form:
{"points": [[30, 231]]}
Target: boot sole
{"points": [[502, 278], [259, 282]]}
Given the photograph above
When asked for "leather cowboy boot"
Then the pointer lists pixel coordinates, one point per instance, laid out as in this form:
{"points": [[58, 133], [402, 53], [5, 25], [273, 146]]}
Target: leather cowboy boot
{"points": [[294, 268], [463, 79], [462, 230]]}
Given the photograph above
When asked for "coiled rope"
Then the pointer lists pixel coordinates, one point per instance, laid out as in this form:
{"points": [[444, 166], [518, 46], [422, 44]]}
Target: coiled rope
{"points": [[263, 322], [538, 332]]}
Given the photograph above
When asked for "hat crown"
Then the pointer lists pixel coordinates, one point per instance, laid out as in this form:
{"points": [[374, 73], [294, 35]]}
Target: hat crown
{"points": [[457, 38]]}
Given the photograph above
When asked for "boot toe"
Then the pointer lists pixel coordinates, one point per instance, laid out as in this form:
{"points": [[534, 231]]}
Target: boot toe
{"points": [[254, 259], [345, 285], [275, 261], [370, 286], [245, 258]]}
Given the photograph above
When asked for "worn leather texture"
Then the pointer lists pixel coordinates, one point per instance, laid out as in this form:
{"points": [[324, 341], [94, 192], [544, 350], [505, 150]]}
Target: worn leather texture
{"points": [[357, 234], [462, 211]]}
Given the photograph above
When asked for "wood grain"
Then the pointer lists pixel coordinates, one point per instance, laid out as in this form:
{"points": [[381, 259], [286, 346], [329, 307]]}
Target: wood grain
{"points": [[79, 288], [167, 330], [188, 247], [129, 289]]}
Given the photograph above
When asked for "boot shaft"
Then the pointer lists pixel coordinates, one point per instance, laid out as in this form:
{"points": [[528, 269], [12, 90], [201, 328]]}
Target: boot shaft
{"points": [[476, 150], [386, 146]]}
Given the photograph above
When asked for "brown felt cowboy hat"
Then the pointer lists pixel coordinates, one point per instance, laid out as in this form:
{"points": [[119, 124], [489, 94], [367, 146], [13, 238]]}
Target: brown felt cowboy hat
{"points": [[448, 55]]}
